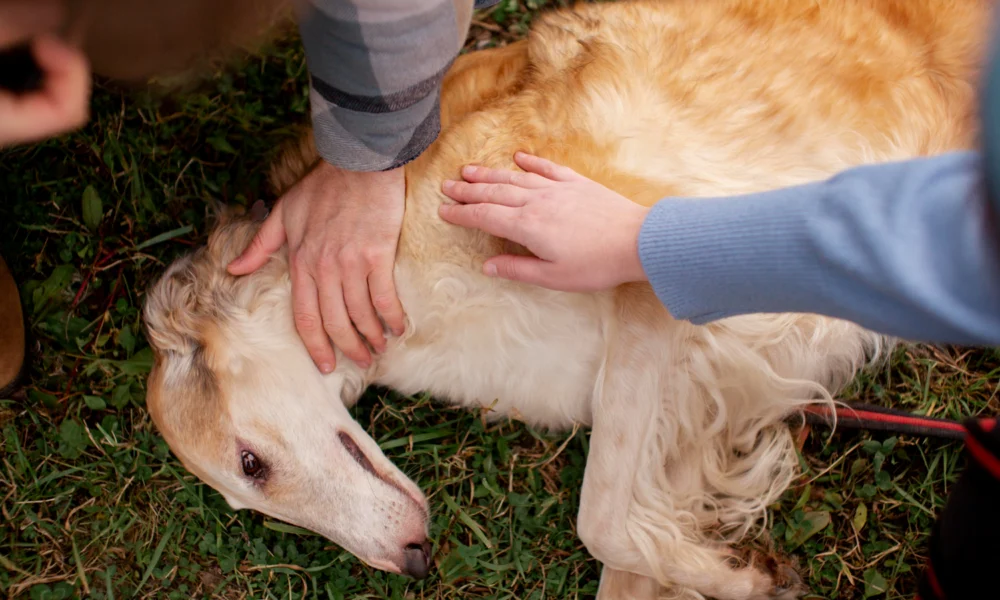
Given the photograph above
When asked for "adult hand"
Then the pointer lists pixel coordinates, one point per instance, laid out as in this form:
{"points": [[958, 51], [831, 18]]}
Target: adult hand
{"points": [[62, 104], [342, 228], [585, 236]]}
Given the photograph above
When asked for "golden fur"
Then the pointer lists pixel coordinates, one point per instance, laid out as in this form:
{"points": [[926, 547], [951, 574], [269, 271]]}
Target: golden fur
{"points": [[688, 443]]}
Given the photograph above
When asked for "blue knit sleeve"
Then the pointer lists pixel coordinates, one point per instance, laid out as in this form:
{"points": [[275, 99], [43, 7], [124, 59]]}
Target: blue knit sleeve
{"points": [[907, 248]]}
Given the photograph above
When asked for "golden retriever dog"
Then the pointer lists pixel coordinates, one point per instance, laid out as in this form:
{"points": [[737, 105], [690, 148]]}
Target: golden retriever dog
{"points": [[689, 435]]}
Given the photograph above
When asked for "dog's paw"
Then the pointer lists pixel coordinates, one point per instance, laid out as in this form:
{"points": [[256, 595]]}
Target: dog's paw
{"points": [[783, 580], [787, 584]]}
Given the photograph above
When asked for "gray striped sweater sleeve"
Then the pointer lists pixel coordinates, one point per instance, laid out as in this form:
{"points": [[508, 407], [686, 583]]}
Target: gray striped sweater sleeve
{"points": [[375, 75]]}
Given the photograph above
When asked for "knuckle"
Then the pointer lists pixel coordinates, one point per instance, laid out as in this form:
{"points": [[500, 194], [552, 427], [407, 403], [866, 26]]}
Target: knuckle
{"points": [[326, 266], [298, 264], [374, 255], [349, 258], [306, 323], [308, 258], [508, 269], [490, 192], [357, 316], [480, 212], [340, 332], [384, 302], [527, 219]]}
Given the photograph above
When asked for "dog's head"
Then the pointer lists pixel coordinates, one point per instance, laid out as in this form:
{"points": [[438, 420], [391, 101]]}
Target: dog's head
{"points": [[236, 396]]}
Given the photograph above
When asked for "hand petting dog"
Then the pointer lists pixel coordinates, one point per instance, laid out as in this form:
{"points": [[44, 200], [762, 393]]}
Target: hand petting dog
{"points": [[585, 236]]}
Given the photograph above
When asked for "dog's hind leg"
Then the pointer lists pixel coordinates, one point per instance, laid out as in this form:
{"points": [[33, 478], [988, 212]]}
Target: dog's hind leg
{"points": [[626, 409], [622, 585]]}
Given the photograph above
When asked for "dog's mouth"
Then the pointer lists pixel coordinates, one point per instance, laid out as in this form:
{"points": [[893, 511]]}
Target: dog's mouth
{"points": [[416, 561]]}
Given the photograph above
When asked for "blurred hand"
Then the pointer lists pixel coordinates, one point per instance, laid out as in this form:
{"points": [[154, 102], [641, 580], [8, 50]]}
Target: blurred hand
{"points": [[585, 236], [342, 228], [63, 102]]}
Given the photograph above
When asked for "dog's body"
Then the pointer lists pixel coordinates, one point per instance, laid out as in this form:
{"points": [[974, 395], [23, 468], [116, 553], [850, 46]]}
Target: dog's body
{"points": [[688, 443]]}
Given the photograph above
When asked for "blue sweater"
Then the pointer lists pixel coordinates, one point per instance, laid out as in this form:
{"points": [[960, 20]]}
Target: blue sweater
{"points": [[907, 248]]}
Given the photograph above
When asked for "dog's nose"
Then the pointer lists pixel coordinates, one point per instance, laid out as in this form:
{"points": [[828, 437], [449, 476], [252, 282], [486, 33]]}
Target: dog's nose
{"points": [[417, 560]]}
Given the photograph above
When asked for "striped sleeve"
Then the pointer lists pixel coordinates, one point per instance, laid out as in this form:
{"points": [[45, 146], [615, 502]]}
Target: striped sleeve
{"points": [[375, 75]]}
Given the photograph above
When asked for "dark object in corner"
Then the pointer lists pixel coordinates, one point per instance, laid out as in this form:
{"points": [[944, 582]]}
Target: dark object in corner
{"points": [[19, 73]]}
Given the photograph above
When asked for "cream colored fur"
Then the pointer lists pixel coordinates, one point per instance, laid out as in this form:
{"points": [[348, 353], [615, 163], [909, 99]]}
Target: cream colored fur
{"points": [[689, 443]]}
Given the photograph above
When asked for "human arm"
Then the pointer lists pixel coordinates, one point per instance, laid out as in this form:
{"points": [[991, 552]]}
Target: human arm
{"points": [[907, 248], [376, 68]]}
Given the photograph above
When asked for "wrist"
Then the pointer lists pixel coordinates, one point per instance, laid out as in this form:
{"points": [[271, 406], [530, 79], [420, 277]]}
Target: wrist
{"points": [[632, 268]]}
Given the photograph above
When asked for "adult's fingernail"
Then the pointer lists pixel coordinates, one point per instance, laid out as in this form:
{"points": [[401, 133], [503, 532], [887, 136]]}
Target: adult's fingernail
{"points": [[326, 368], [447, 185], [490, 269], [470, 170]]}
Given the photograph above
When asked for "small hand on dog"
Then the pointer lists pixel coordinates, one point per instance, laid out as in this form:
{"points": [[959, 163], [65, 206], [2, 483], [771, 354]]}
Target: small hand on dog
{"points": [[585, 236]]}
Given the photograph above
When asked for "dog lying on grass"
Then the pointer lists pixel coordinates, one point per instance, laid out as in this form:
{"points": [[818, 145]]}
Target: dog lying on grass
{"points": [[689, 442]]}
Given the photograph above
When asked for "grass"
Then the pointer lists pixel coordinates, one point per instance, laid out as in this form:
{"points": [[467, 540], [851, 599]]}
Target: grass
{"points": [[93, 504]]}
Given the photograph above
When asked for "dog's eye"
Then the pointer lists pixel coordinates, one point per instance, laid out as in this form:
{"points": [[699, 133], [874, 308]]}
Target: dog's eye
{"points": [[252, 467]]}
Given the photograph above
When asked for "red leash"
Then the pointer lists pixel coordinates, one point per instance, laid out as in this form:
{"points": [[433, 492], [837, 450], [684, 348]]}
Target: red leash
{"points": [[877, 418]]}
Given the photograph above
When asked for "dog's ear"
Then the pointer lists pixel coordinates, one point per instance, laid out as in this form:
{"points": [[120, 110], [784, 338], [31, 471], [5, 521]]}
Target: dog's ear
{"points": [[186, 316], [171, 313]]}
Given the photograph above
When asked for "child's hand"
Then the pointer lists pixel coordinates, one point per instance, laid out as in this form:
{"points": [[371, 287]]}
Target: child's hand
{"points": [[584, 235]]}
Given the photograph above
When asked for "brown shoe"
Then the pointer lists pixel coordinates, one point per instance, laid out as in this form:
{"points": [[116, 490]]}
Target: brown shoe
{"points": [[12, 338]]}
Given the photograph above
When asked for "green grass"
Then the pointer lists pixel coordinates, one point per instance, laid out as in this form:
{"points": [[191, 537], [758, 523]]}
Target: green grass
{"points": [[92, 503]]}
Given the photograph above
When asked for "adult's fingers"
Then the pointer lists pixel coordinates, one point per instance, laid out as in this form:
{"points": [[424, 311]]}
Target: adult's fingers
{"points": [[494, 193], [477, 174], [336, 321], [500, 221], [269, 238], [544, 167], [309, 324], [21, 20], [360, 310], [385, 299]]}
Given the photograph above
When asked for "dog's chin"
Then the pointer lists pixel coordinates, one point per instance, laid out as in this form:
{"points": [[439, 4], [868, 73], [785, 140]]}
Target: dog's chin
{"points": [[383, 565]]}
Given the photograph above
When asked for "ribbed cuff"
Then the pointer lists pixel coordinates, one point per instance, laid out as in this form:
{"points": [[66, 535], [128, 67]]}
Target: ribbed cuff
{"points": [[710, 258]]}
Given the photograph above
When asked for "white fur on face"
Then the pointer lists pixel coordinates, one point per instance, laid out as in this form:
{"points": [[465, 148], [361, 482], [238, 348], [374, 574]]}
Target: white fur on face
{"points": [[321, 470], [324, 472]]}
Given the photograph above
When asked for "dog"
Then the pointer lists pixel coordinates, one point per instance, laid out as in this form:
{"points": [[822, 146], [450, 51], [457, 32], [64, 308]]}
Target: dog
{"points": [[689, 435]]}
